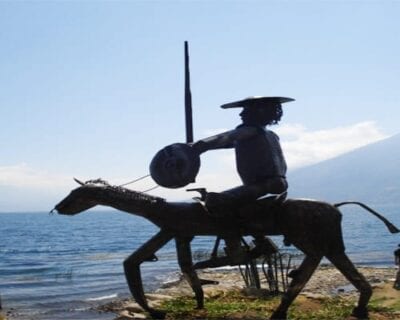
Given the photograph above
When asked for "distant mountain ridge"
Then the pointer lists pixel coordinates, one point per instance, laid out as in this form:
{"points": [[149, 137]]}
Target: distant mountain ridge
{"points": [[370, 173]]}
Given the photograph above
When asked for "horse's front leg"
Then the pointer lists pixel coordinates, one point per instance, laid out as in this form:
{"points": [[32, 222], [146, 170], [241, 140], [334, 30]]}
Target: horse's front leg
{"points": [[186, 265], [132, 270]]}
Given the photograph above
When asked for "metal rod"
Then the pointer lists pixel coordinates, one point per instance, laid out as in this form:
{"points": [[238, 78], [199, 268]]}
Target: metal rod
{"points": [[282, 273], [276, 272], [188, 98], [214, 253]]}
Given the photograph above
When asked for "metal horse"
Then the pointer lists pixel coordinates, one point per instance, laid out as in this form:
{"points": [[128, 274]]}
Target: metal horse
{"points": [[314, 227]]}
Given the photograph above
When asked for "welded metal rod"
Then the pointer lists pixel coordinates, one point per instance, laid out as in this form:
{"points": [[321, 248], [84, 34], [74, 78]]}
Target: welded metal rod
{"points": [[188, 98]]}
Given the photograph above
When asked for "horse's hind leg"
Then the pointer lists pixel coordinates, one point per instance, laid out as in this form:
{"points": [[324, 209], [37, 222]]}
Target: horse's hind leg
{"points": [[303, 274], [347, 268], [186, 265]]}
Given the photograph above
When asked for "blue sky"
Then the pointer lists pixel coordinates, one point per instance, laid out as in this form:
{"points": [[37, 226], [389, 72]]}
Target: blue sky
{"points": [[94, 89]]}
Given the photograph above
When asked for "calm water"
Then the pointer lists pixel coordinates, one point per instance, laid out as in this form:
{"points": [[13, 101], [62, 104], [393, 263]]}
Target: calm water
{"points": [[59, 267]]}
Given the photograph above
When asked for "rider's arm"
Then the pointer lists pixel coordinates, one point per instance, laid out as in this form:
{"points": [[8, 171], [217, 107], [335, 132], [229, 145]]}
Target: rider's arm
{"points": [[224, 140]]}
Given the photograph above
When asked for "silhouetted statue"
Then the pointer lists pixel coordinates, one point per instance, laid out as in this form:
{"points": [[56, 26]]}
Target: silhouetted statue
{"points": [[397, 262], [259, 161], [313, 227], [259, 158]]}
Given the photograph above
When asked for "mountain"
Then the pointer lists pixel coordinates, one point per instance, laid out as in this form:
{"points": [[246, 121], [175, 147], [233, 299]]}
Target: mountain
{"points": [[370, 174]]}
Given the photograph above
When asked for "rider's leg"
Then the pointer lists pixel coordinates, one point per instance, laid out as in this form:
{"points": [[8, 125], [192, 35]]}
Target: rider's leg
{"points": [[263, 246], [230, 199], [235, 255], [235, 251]]}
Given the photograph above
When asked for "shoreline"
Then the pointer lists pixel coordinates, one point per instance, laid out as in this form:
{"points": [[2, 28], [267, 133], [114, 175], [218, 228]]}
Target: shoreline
{"points": [[326, 282]]}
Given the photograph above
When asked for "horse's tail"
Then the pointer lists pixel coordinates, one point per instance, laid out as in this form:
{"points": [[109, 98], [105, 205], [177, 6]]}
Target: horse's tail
{"points": [[392, 228]]}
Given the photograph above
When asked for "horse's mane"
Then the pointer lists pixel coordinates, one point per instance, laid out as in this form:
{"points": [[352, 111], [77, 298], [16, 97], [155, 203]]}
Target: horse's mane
{"points": [[128, 193]]}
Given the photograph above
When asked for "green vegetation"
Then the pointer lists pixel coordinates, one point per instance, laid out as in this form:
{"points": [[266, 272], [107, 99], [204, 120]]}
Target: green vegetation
{"points": [[384, 304], [230, 305], [234, 305]]}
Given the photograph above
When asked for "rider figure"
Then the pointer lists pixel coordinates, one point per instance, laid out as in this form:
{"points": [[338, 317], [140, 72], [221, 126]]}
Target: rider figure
{"points": [[259, 160]]}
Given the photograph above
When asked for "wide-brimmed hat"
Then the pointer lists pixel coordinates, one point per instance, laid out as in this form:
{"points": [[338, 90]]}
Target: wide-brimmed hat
{"points": [[256, 101]]}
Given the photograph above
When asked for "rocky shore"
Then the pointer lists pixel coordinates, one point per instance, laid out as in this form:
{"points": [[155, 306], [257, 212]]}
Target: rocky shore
{"points": [[326, 282]]}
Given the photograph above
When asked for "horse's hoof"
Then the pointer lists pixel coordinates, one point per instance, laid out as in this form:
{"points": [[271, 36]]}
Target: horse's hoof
{"points": [[278, 316], [199, 305], [360, 313], [157, 314]]}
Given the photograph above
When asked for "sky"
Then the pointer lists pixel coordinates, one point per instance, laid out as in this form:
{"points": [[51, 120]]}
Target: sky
{"points": [[94, 89]]}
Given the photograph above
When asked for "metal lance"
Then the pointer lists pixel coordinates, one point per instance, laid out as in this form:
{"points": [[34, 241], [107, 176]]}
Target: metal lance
{"points": [[188, 98], [177, 165]]}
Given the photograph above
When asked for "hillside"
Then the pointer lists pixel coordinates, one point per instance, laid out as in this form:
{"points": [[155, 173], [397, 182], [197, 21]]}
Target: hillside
{"points": [[370, 173]]}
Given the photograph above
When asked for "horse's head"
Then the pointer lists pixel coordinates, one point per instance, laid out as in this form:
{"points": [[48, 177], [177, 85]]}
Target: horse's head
{"points": [[75, 202]]}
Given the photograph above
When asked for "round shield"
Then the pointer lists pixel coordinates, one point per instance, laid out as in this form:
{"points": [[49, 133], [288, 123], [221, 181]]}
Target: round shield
{"points": [[175, 166]]}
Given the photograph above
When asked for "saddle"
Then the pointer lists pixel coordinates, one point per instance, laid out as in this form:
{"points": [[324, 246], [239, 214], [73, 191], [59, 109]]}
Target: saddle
{"points": [[222, 205]]}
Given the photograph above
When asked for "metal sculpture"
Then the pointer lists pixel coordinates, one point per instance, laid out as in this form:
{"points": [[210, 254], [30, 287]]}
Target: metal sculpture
{"points": [[396, 284], [313, 227]]}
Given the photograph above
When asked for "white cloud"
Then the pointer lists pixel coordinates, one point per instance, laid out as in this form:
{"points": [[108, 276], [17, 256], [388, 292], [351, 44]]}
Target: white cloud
{"points": [[305, 147], [301, 147], [24, 176], [24, 188], [21, 175]]}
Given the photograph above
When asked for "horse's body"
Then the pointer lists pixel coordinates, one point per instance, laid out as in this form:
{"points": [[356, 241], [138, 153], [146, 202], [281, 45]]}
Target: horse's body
{"points": [[313, 227]]}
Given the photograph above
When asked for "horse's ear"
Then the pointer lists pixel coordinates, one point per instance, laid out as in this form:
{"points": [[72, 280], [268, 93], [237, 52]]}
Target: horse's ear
{"points": [[79, 182]]}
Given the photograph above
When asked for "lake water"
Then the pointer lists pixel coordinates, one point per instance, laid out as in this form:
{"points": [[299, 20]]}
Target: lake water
{"points": [[60, 267]]}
